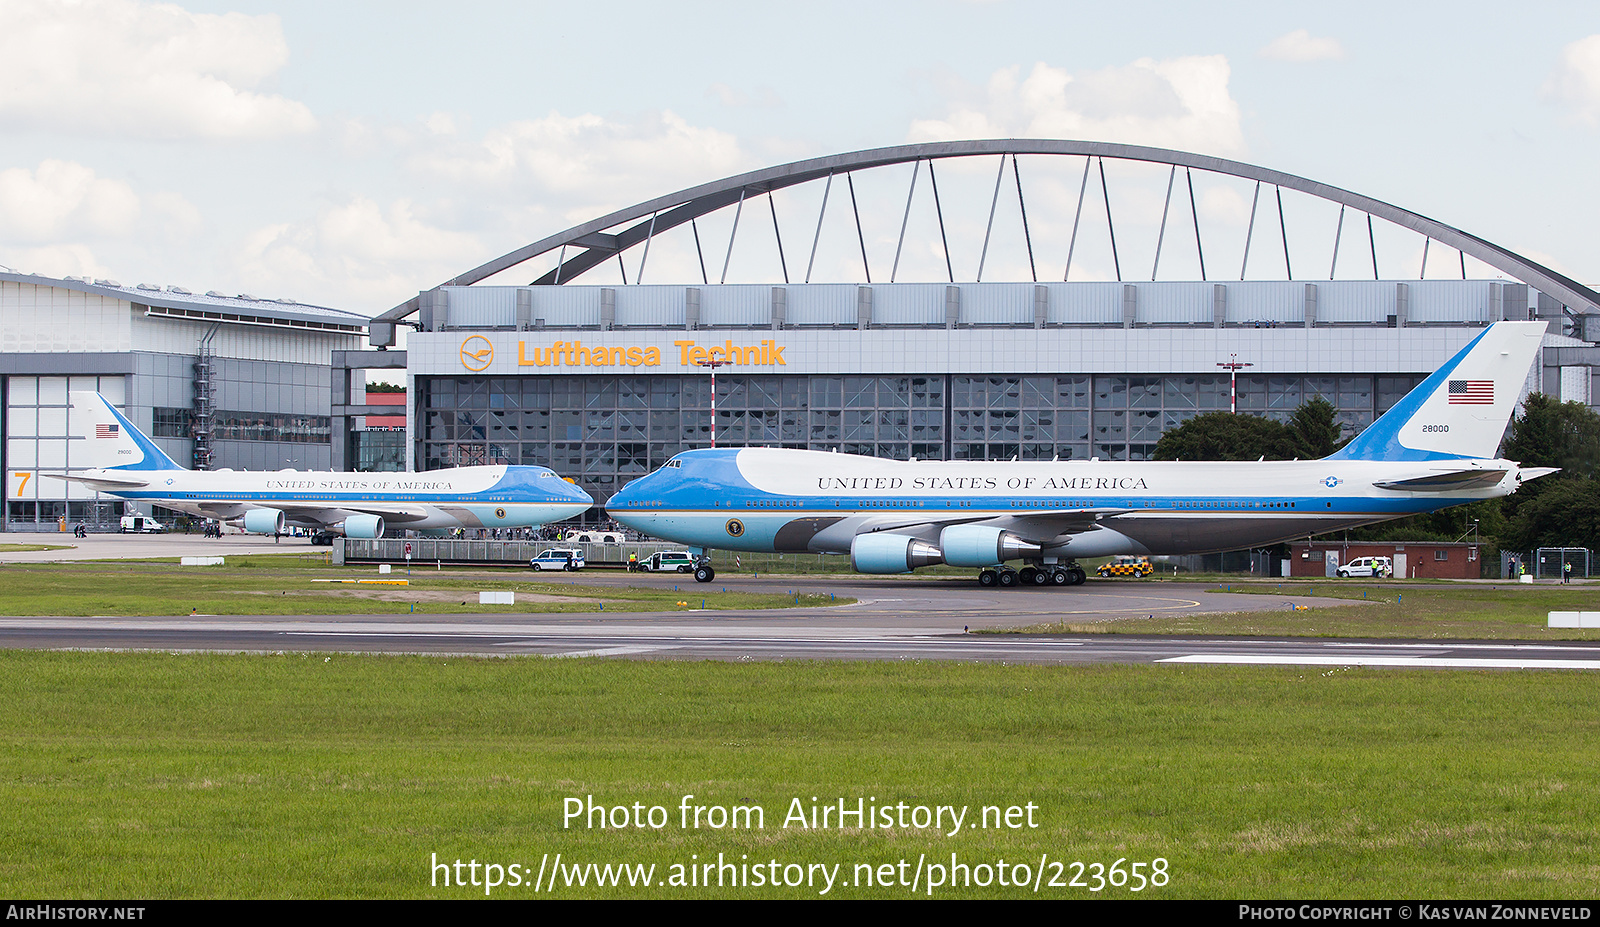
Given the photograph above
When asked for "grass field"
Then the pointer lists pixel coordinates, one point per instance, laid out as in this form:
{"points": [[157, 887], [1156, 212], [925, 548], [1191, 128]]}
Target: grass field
{"points": [[156, 775], [1505, 611], [288, 584]]}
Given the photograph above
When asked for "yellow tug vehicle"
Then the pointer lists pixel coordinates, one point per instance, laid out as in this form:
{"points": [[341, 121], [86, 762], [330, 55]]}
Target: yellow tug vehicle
{"points": [[1126, 566]]}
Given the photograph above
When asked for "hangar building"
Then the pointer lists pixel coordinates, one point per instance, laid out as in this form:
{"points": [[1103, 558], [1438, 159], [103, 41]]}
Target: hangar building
{"points": [[604, 383], [217, 381]]}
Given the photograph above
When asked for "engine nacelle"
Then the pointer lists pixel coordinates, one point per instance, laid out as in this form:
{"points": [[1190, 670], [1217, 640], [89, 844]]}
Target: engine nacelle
{"points": [[981, 546], [264, 521], [362, 527], [891, 553]]}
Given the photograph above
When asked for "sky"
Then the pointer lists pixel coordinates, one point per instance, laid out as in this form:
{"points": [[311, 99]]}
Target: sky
{"points": [[350, 154]]}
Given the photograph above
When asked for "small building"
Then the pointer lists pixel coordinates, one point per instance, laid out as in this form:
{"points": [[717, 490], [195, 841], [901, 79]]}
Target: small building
{"points": [[1411, 559]]}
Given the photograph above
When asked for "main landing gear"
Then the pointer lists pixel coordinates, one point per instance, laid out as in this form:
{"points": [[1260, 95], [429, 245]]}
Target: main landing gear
{"points": [[1066, 574]]}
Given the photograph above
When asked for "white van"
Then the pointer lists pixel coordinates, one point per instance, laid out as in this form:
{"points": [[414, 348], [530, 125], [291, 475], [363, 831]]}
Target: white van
{"points": [[1367, 566], [141, 524], [576, 536]]}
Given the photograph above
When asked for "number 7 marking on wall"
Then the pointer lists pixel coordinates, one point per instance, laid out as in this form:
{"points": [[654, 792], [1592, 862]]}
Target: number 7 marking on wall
{"points": [[24, 484]]}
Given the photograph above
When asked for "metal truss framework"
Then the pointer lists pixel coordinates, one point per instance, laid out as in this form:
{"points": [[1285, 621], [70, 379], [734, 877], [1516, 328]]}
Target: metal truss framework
{"points": [[592, 244]]}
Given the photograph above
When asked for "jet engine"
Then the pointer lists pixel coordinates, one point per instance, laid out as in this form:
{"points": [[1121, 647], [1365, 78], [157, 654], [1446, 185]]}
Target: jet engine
{"points": [[891, 553], [980, 546], [264, 521], [362, 527]]}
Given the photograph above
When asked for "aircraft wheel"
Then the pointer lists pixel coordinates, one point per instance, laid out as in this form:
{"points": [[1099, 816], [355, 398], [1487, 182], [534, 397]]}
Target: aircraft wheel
{"points": [[1041, 577], [704, 574], [1008, 578], [988, 578], [1061, 578], [1079, 577]]}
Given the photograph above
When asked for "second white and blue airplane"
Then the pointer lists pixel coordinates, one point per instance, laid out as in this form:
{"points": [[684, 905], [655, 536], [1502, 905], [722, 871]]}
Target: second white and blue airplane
{"points": [[1435, 448], [357, 505]]}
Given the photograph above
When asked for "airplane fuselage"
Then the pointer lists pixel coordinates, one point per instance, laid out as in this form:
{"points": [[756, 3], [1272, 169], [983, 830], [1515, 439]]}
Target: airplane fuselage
{"points": [[769, 499], [464, 497]]}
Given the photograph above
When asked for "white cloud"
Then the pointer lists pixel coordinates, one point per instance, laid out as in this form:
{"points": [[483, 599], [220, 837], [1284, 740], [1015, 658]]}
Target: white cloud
{"points": [[1575, 80], [356, 255], [128, 68], [584, 166], [1178, 103], [63, 199], [1299, 46]]}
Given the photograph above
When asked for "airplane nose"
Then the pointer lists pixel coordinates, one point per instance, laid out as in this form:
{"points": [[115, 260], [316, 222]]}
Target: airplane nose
{"points": [[621, 500]]}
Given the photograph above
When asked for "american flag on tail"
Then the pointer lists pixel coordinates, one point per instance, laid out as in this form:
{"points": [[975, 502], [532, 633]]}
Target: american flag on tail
{"points": [[1471, 392], [105, 431]]}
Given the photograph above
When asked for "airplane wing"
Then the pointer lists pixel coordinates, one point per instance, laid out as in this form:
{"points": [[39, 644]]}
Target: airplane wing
{"points": [[101, 479], [1039, 526], [1042, 527], [319, 516]]}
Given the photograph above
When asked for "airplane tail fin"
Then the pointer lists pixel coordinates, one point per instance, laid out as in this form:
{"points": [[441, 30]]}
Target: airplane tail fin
{"points": [[1460, 411], [110, 442]]}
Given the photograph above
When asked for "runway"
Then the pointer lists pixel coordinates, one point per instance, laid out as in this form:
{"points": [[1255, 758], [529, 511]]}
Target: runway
{"points": [[749, 636], [893, 618]]}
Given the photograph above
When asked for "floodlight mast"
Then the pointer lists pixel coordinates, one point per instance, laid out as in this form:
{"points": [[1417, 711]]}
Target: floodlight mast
{"points": [[1234, 365], [713, 364]]}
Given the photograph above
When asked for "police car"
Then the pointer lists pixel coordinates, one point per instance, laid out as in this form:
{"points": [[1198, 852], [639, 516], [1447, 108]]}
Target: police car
{"points": [[678, 560], [559, 558]]}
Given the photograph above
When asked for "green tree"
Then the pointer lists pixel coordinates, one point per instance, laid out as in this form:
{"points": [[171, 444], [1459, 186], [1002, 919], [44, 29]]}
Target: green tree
{"points": [[1563, 509], [1565, 513], [1226, 436], [1316, 424], [1551, 433]]}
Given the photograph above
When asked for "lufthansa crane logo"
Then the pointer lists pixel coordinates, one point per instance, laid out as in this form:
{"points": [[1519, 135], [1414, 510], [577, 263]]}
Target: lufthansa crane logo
{"points": [[735, 527], [477, 353]]}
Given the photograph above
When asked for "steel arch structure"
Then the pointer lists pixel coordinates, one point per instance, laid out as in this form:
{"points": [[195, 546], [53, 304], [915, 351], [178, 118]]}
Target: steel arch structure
{"points": [[593, 244]]}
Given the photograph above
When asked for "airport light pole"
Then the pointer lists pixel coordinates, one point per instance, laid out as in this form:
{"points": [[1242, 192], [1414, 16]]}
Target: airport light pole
{"points": [[713, 364], [1233, 366]]}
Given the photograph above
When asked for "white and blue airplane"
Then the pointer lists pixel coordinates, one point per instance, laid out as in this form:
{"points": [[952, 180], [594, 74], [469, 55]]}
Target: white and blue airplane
{"points": [[1435, 448], [357, 505]]}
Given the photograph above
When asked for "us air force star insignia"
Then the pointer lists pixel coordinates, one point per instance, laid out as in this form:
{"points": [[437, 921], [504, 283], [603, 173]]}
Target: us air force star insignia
{"points": [[1332, 481], [477, 353], [735, 527]]}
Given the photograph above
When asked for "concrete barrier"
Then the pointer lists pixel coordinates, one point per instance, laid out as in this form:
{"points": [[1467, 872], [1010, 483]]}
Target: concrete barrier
{"points": [[497, 598], [1574, 619]]}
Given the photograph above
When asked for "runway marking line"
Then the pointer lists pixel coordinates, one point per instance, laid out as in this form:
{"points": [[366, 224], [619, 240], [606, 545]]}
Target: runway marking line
{"points": [[1414, 662]]}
